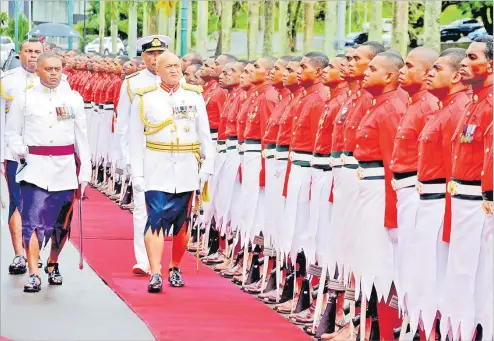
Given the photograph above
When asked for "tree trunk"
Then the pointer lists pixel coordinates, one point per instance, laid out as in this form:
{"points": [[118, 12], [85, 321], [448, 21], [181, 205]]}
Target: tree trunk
{"points": [[190, 18], [152, 18], [375, 30], [132, 33], [309, 9], [145, 17], [162, 22], [172, 24], [114, 27], [330, 25], [102, 26], [293, 13], [282, 26], [202, 28], [394, 27], [432, 33], [400, 30], [268, 27], [253, 32], [226, 26], [178, 40]]}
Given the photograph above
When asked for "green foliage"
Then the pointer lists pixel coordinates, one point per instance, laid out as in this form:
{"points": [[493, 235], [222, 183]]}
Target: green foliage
{"points": [[9, 30]]}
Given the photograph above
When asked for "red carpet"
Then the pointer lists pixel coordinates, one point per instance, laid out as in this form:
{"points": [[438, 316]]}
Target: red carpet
{"points": [[209, 307]]}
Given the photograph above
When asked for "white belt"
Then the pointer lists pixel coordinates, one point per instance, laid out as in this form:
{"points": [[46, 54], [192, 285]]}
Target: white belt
{"points": [[220, 147], [268, 153], [320, 161], [87, 105], [281, 155], [405, 182], [334, 162], [249, 147], [240, 147], [348, 160], [294, 156], [363, 173], [92, 103], [455, 188], [231, 143], [214, 136], [108, 106], [430, 188]]}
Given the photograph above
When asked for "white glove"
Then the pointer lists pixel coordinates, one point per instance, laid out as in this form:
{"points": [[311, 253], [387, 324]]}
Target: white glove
{"points": [[83, 187], [128, 169], [19, 152], [203, 177], [393, 235], [138, 183]]}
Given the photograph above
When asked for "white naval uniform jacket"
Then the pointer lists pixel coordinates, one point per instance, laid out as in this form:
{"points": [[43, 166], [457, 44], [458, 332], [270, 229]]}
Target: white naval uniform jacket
{"points": [[138, 80], [163, 171], [11, 82], [33, 121]]}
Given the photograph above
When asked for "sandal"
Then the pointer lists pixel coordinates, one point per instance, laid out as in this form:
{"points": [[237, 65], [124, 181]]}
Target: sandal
{"points": [[54, 277], [33, 284], [155, 283], [18, 266], [175, 278]]}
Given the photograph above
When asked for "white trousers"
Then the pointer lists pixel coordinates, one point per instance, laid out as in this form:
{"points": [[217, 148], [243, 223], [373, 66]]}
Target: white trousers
{"points": [[374, 259], [407, 205], [140, 217], [467, 222], [428, 265]]}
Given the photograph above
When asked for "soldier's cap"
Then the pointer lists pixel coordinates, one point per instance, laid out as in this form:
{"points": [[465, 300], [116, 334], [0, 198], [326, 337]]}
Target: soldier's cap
{"points": [[154, 43]]}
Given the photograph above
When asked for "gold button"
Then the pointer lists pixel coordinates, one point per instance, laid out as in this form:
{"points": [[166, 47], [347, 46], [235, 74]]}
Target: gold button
{"points": [[296, 117], [353, 127], [456, 157], [392, 161], [399, 127], [482, 173], [402, 137], [420, 153], [293, 133], [344, 140], [487, 150], [357, 146], [365, 136]]}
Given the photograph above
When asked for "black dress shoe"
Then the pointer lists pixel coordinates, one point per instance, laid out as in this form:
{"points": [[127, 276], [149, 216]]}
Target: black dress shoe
{"points": [[54, 277], [18, 266], [33, 284], [155, 283], [175, 278]]}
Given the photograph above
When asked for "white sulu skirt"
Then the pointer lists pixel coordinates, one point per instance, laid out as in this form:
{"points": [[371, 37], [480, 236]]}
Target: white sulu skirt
{"points": [[225, 187], [336, 231], [251, 168], [323, 234], [278, 202], [373, 263], [467, 222], [430, 256]]}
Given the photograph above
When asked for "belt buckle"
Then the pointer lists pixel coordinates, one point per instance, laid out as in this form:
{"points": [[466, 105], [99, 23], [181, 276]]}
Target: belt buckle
{"points": [[420, 187], [331, 161], [263, 154], [290, 156], [312, 161], [342, 158], [360, 173], [393, 184], [487, 206], [452, 187]]}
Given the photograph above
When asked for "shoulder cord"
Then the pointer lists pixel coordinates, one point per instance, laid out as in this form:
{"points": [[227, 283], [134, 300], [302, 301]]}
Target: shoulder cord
{"points": [[153, 128]]}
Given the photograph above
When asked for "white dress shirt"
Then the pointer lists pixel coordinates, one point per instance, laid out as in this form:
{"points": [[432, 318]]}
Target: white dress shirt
{"points": [[33, 121], [131, 83], [164, 171], [11, 82]]}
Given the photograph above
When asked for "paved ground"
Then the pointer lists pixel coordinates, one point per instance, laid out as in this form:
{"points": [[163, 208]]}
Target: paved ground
{"points": [[83, 308]]}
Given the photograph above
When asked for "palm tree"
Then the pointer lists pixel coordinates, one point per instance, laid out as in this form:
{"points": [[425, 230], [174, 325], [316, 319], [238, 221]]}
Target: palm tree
{"points": [[202, 27], [282, 26], [253, 32], [308, 25], [375, 30], [400, 27], [114, 14], [226, 26], [330, 25], [432, 13], [101, 26], [132, 28], [268, 27]]}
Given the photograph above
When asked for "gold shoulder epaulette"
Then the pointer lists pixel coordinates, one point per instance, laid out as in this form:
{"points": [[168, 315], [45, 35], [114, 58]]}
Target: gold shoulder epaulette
{"points": [[147, 89], [133, 75], [191, 87]]}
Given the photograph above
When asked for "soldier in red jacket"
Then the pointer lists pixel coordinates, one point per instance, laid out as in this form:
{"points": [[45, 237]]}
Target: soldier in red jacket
{"points": [[376, 204], [421, 106], [466, 192]]}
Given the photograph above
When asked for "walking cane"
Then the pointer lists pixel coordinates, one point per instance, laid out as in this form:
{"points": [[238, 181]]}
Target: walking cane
{"points": [[81, 261]]}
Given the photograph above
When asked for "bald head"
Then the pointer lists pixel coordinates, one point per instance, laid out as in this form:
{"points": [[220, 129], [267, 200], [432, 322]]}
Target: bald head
{"points": [[424, 57], [413, 74], [267, 62], [169, 68], [393, 61]]}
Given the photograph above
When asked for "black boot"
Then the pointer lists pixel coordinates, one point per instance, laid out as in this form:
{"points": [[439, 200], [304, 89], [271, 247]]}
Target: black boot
{"points": [[397, 331], [101, 174], [302, 265], [304, 297], [325, 324], [255, 271]]}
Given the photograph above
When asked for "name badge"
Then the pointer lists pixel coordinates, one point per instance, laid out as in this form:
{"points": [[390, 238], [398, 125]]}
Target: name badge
{"points": [[64, 113], [467, 133]]}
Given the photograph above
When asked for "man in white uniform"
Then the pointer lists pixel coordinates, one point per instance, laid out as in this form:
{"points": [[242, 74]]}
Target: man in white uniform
{"points": [[152, 47], [170, 119], [46, 129], [11, 83]]}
